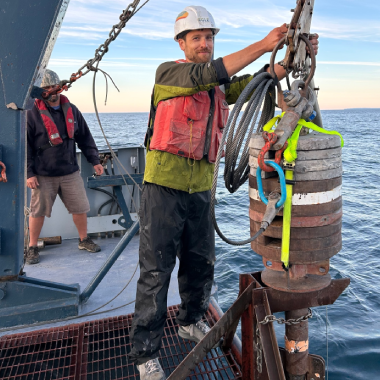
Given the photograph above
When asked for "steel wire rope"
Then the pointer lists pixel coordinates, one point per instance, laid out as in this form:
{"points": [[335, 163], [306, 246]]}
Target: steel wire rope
{"points": [[114, 156], [236, 168], [118, 162]]}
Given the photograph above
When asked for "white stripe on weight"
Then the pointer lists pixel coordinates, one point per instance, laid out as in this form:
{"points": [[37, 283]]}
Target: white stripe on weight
{"points": [[302, 199]]}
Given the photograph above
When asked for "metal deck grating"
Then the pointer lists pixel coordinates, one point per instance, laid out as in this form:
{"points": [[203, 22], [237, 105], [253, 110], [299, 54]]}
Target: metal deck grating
{"points": [[97, 350]]}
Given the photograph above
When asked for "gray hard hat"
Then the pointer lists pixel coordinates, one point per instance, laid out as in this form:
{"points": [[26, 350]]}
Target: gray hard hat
{"points": [[50, 78]]}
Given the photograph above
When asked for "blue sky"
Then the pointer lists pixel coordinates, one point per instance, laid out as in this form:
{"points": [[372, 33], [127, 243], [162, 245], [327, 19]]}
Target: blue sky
{"points": [[348, 63]]}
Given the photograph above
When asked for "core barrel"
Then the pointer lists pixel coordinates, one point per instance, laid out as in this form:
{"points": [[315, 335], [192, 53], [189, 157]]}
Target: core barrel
{"points": [[316, 217]]}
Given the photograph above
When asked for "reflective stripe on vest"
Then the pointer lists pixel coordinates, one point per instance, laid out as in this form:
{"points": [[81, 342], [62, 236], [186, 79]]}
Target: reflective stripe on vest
{"points": [[51, 128], [180, 125]]}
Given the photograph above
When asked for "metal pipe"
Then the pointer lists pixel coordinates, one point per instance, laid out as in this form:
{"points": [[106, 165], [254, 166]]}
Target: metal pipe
{"points": [[51, 240], [297, 346], [86, 294], [40, 244]]}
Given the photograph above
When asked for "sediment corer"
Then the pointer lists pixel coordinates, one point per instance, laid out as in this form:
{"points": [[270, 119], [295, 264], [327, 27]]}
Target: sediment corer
{"points": [[315, 232]]}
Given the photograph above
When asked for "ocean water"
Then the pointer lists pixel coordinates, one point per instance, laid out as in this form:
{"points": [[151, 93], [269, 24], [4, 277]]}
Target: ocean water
{"points": [[353, 322]]}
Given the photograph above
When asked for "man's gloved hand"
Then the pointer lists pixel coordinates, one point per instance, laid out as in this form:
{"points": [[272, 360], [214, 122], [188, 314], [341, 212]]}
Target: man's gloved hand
{"points": [[98, 169], [32, 183]]}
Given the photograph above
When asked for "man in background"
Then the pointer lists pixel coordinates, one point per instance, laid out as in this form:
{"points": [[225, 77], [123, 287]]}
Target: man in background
{"points": [[53, 128]]}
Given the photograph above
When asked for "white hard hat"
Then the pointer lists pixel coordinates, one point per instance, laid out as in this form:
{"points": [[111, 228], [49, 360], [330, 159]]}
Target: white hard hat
{"points": [[193, 18]]}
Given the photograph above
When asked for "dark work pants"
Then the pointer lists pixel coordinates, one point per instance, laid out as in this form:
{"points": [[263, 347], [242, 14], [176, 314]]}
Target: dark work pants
{"points": [[172, 223]]}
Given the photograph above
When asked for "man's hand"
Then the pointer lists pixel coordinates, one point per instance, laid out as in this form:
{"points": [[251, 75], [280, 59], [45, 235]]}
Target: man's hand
{"points": [[275, 35], [314, 41], [98, 169], [32, 183]]}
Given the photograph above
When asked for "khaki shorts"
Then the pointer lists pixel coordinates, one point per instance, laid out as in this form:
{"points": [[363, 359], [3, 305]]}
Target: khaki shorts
{"points": [[70, 189]]}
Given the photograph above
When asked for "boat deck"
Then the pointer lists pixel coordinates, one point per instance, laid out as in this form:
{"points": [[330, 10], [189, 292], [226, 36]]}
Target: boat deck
{"points": [[97, 350], [86, 347], [66, 264]]}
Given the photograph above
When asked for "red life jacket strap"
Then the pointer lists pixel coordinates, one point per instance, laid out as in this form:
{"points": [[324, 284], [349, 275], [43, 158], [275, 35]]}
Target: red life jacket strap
{"points": [[69, 116], [49, 124]]}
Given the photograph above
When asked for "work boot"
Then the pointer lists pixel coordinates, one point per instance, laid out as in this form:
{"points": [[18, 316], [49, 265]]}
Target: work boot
{"points": [[32, 256], [195, 332], [151, 370], [88, 245]]}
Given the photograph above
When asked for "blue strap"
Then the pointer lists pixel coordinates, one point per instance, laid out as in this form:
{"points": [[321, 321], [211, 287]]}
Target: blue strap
{"points": [[282, 183]]}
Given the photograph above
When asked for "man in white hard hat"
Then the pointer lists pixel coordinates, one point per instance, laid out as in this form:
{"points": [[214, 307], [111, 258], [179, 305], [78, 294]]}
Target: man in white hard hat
{"points": [[53, 129], [189, 110]]}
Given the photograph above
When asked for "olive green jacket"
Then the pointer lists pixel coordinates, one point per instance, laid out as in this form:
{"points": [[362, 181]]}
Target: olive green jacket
{"points": [[184, 79]]}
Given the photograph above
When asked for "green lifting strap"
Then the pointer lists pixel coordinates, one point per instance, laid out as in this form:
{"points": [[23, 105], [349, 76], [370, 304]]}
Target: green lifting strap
{"points": [[286, 220], [290, 155]]}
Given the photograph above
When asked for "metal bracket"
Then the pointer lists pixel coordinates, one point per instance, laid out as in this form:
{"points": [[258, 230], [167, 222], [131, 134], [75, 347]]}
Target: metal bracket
{"points": [[316, 366], [269, 341], [117, 181], [253, 304], [125, 220]]}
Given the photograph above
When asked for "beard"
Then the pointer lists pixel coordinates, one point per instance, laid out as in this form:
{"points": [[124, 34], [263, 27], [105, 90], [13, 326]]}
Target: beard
{"points": [[196, 58]]}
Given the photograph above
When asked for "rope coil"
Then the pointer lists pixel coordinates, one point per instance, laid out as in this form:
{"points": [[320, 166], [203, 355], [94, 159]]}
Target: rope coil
{"points": [[259, 91]]}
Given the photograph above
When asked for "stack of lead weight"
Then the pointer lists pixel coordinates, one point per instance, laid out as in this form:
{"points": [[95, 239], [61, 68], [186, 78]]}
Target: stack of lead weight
{"points": [[316, 222]]}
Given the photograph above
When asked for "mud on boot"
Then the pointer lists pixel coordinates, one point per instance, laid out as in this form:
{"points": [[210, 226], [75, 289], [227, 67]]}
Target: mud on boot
{"points": [[88, 245], [151, 370], [32, 256], [195, 332]]}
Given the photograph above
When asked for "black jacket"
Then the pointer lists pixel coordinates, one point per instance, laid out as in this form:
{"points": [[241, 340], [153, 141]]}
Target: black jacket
{"points": [[60, 159]]}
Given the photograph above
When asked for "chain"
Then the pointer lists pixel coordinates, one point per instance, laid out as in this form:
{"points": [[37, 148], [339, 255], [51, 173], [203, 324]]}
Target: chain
{"points": [[282, 321], [130, 11], [103, 48], [259, 352]]}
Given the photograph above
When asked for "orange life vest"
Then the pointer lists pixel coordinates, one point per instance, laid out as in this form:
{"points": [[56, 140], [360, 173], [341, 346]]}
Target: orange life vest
{"points": [[181, 125], [51, 128]]}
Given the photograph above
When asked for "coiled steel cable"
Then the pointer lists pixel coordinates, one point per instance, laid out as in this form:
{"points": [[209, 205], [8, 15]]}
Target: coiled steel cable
{"points": [[260, 89]]}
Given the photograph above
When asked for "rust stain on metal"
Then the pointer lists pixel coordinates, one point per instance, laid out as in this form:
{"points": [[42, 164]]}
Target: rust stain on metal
{"points": [[294, 346]]}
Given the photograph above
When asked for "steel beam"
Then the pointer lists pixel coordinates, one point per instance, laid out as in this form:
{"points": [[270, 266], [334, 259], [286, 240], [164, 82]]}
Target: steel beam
{"points": [[86, 294], [268, 339], [114, 180]]}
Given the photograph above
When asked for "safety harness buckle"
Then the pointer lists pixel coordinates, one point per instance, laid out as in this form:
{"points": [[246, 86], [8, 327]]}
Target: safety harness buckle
{"points": [[288, 165]]}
